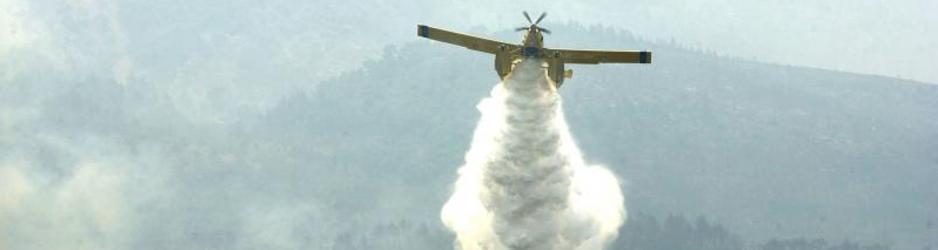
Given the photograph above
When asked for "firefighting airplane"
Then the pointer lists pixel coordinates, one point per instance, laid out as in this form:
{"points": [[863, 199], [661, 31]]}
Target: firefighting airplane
{"points": [[533, 46]]}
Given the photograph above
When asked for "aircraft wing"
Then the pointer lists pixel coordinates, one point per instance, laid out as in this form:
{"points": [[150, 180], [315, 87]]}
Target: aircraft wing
{"points": [[470, 42], [600, 56]]}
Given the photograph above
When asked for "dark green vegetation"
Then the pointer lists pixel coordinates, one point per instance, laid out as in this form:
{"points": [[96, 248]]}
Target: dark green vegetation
{"points": [[643, 232], [762, 151], [767, 150]]}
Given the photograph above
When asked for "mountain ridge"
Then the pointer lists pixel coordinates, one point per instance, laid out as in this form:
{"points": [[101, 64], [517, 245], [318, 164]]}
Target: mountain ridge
{"points": [[815, 137]]}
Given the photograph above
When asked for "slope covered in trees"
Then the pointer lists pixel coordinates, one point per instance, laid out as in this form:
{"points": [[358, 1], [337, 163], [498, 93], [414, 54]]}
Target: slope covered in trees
{"points": [[767, 150]]}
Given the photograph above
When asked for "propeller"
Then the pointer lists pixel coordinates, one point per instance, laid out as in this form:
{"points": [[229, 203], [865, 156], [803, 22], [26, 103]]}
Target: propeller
{"points": [[534, 23], [543, 14]]}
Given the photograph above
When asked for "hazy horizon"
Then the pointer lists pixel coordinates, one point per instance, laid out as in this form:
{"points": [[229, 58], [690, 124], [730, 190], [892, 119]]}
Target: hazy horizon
{"points": [[177, 124], [887, 38]]}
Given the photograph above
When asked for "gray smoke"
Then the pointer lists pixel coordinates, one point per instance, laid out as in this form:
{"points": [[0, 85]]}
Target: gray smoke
{"points": [[525, 184]]}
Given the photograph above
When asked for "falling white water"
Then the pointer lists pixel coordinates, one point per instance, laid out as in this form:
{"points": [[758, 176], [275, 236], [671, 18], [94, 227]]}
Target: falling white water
{"points": [[525, 184]]}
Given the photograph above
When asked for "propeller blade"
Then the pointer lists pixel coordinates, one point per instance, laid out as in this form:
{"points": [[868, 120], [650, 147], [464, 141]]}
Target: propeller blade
{"points": [[521, 28], [546, 31], [544, 14], [526, 16]]}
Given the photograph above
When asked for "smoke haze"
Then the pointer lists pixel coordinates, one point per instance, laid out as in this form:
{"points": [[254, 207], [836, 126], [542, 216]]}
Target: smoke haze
{"points": [[178, 124]]}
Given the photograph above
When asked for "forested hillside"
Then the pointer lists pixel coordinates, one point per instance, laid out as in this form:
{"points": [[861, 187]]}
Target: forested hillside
{"points": [[178, 154], [767, 150]]}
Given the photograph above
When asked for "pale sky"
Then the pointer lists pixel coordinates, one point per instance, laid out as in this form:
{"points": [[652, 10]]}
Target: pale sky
{"points": [[97, 97], [889, 38]]}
